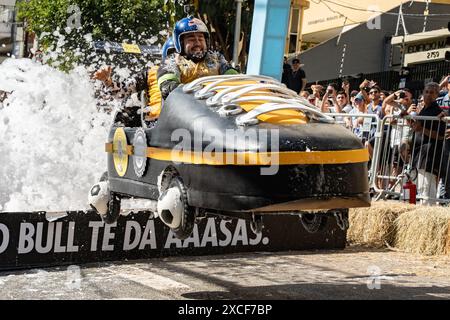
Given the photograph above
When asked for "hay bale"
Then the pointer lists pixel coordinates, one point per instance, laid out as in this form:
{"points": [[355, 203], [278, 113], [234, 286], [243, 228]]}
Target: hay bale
{"points": [[426, 230], [374, 227]]}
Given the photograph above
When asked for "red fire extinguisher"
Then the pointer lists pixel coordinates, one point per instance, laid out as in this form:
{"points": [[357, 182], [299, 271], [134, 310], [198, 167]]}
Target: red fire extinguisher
{"points": [[409, 192]]}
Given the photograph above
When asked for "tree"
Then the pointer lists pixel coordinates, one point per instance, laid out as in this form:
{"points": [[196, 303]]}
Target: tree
{"points": [[136, 21], [220, 16], [66, 28]]}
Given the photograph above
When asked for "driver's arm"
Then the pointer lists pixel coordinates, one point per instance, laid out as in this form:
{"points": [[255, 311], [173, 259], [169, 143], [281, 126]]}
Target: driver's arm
{"points": [[225, 67], [168, 78]]}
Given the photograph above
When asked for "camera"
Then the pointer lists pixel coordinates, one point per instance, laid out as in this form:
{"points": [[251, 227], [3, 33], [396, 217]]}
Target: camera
{"points": [[402, 95]]}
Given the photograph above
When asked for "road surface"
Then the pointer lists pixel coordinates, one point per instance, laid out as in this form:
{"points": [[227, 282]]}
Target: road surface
{"points": [[353, 273]]}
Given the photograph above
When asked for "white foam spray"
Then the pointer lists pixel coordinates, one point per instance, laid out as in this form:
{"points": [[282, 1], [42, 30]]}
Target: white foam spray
{"points": [[51, 137]]}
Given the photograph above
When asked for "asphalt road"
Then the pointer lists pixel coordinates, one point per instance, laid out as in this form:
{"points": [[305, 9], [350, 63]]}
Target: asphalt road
{"points": [[353, 273]]}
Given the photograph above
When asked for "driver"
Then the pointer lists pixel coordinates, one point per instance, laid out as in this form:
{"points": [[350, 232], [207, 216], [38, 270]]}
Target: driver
{"points": [[193, 59]]}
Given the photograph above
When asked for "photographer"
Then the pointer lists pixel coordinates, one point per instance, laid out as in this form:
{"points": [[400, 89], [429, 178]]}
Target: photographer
{"points": [[329, 101], [398, 103]]}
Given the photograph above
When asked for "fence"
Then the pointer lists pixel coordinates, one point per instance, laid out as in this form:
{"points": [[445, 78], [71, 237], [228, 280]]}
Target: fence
{"points": [[364, 126], [411, 149]]}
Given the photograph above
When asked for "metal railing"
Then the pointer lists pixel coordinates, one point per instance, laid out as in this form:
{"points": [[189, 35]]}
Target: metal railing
{"points": [[412, 148], [366, 128]]}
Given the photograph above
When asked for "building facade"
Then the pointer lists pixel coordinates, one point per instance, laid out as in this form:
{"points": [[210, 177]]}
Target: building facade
{"points": [[373, 47], [12, 34]]}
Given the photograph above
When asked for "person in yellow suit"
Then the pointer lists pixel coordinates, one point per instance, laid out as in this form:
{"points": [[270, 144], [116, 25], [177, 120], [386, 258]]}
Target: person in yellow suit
{"points": [[143, 81], [154, 94]]}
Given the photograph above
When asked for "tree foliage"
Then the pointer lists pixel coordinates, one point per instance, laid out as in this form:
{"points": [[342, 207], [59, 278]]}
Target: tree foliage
{"points": [[220, 17], [54, 23], [137, 21], [104, 19]]}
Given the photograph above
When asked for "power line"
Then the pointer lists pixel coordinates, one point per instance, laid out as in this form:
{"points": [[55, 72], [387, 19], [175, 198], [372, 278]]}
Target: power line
{"points": [[385, 12], [334, 11]]}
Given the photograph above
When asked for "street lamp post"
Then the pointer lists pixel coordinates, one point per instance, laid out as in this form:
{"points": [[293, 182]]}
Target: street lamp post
{"points": [[237, 32]]}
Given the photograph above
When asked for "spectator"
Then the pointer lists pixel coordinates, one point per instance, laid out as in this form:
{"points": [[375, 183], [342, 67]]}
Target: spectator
{"points": [[317, 90], [373, 98], [384, 95], [420, 103], [429, 142], [315, 97], [296, 78], [329, 101], [397, 103], [312, 99], [374, 106], [444, 100], [353, 94], [356, 123], [342, 102], [358, 104], [444, 103], [286, 70], [346, 88], [304, 94]]}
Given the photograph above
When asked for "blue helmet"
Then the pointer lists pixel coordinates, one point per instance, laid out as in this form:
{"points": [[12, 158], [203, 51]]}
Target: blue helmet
{"points": [[167, 48], [188, 25]]}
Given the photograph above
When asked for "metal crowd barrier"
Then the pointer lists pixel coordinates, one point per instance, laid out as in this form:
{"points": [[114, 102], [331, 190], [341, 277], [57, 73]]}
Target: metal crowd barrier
{"points": [[408, 153], [366, 127]]}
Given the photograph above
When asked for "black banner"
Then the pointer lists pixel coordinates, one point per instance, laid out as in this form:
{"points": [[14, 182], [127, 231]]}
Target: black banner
{"points": [[38, 239]]}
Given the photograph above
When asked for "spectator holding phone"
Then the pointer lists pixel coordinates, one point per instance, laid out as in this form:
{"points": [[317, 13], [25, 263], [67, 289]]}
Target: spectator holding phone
{"points": [[398, 103], [329, 101], [317, 90], [316, 97]]}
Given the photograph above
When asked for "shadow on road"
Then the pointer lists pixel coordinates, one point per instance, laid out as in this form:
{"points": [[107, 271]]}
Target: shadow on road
{"points": [[325, 291]]}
